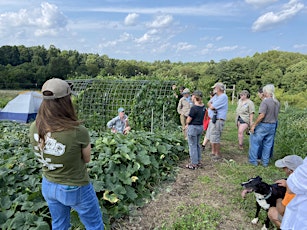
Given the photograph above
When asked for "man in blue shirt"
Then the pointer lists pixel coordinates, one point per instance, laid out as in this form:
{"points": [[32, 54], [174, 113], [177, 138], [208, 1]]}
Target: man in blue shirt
{"points": [[218, 107], [119, 124]]}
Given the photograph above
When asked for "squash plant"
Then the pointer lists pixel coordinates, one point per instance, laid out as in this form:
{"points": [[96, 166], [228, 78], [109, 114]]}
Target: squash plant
{"points": [[125, 169]]}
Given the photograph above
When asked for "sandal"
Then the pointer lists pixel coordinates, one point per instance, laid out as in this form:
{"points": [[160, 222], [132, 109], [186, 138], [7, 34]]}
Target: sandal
{"points": [[191, 166]]}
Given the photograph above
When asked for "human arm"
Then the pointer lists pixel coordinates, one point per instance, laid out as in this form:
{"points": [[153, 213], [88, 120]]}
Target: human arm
{"points": [[218, 102], [258, 120], [251, 117], [188, 120], [86, 153], [179, 107], [127, 127], [210, 106], [111, 124], [297, 181], [251, 112]]}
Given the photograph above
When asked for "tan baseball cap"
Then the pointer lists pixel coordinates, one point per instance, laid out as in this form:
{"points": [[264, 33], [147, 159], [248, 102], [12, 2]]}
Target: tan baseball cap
{"points": [[58, 87]]}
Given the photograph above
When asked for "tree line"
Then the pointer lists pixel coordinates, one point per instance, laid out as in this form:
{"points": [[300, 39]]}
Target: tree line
{"points": [[28, 67]]}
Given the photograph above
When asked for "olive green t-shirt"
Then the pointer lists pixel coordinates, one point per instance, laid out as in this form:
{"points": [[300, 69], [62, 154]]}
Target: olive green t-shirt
{"points": [[62, 156]]}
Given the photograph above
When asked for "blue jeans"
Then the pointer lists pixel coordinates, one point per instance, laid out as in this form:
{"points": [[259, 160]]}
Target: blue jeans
{"points": [[272, 149], [261, 143], [194, 133], [61, 198]]}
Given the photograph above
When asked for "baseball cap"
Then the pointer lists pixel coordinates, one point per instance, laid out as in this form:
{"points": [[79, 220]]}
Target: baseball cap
{"points": [[121, 110], [186, 90], [220, 85], [58, 87], [291, 162], [244, 92], [198, 93]]}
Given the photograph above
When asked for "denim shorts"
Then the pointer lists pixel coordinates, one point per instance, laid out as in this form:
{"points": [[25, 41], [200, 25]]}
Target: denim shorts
{"points": [[62, 198]]}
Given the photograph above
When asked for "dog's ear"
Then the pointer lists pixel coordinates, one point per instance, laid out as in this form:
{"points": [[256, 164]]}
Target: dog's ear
{"points": [[259, 178]]}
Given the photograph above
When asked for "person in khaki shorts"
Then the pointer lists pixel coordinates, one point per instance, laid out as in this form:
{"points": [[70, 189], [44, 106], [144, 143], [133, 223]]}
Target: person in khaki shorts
{"points": [[183, 108]]}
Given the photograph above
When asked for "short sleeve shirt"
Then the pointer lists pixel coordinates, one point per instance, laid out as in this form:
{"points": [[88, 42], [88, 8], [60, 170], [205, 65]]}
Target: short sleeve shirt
{"points": [[244, 109], [61, 157], [220, 103], [270, 108], [197, 114]]}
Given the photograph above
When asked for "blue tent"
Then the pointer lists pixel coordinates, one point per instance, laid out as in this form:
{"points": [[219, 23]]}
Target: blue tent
{"points": [[22, 108]]}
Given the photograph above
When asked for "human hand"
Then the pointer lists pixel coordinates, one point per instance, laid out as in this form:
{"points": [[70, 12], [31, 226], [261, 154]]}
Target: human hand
{"points": [[252, 129], [282, 183]]}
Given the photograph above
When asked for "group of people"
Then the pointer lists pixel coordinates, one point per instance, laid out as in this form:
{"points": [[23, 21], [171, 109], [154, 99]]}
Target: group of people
{"points": [[192, 112], [262, 130], [62, 145]]}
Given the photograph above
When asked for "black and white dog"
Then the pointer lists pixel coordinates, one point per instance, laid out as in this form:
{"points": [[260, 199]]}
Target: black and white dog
{"points": [[266, 196]]}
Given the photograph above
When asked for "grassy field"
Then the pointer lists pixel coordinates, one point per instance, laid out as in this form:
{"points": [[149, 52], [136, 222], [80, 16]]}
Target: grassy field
{"points": [[7, 95]]}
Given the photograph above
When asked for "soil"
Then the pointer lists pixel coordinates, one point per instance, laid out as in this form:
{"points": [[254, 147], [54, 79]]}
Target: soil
{"points": [[182, 192]]}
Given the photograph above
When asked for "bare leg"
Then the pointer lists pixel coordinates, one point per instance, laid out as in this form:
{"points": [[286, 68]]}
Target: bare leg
{"points": [[241, 129], [205, 141], [216, 149]]}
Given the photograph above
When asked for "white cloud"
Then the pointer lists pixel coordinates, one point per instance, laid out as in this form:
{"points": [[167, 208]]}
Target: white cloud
{"points": [[208, 9], [260, 3], [50, 16], [161, 21], [227, 48], [122, 39], [46, 20], [184, 46], [130, 20], [270, 19], [219, 38], [300, 46], [145, 38]]}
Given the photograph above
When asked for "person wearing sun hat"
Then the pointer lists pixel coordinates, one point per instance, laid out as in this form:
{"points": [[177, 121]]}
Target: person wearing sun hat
{"points": [[119, 124], [288, 164], [62, 145]]}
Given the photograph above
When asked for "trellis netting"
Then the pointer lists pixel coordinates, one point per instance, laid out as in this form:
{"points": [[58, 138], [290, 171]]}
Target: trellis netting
{"points": [[150, 105]]}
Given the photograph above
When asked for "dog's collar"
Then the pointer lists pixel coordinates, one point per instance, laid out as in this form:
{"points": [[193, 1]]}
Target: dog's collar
{"points": [[267, 196]]}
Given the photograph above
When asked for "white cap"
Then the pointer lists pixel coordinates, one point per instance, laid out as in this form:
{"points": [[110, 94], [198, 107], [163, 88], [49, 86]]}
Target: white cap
{"points": [[291, 162]]}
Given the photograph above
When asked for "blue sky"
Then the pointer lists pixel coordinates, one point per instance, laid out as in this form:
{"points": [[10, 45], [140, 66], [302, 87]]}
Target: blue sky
{"points": [[151, 30]]}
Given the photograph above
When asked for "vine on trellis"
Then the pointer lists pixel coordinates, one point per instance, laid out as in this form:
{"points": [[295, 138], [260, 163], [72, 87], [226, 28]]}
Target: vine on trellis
{"points": [[150, 105]]}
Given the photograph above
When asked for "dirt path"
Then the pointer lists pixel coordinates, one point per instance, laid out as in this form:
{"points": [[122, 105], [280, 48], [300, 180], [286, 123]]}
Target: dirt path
{"points": [[188, 190]]}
